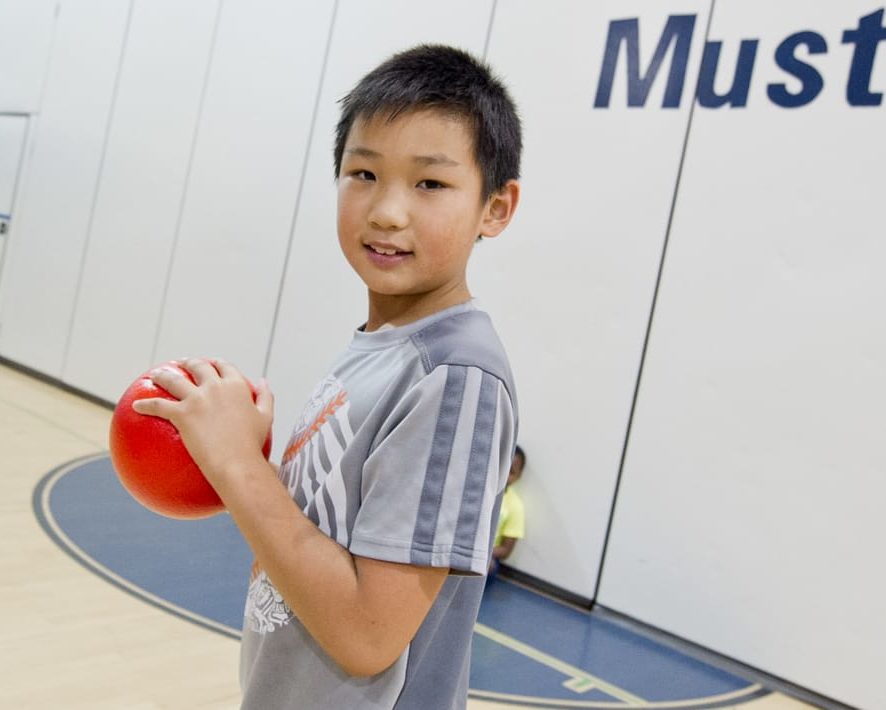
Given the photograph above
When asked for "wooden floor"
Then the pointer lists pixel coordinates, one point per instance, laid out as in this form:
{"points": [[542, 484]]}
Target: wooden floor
{"points": [[70, 639]]}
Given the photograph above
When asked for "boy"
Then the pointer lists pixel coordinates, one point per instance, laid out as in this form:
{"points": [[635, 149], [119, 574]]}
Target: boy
{"points": [[371, 540]]}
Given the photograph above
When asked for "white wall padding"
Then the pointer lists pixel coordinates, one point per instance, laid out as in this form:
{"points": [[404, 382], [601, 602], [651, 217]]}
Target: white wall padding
{"points": [[750, 517], [570, 283], [45, 250], [140, 193]]}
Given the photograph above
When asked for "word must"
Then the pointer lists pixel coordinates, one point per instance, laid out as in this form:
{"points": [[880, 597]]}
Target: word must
{"points": [[676, 40]]}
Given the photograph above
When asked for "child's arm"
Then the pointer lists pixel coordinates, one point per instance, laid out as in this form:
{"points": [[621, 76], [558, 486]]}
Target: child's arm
{"points": [[503, 551], [362, 612]]}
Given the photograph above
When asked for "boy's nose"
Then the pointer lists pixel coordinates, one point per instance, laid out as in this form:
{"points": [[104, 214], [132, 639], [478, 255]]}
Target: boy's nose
{"points": [[388, 212]]}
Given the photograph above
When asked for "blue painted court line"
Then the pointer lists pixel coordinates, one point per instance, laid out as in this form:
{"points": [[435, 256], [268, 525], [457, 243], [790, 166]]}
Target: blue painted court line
{"points": [[529, 650]]}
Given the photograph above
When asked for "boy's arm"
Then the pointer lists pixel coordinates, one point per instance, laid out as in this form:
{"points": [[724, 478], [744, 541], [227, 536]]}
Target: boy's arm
{"points": [[502, 551], [362, 612]]}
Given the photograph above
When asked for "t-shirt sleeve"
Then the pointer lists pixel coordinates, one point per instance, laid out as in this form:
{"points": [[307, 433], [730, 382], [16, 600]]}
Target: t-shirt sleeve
{"points": [[431, 480]]}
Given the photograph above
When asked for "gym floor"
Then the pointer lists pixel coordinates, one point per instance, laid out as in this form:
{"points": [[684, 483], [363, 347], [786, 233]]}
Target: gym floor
{"points": [[95, 618]]}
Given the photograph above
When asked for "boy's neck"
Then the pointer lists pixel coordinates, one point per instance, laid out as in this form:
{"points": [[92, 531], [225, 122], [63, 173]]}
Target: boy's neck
{"points": [[402, 310]]}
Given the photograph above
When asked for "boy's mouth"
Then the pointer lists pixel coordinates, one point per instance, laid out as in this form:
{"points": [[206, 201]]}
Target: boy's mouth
{"points": [[386, 250], [385, 255]]}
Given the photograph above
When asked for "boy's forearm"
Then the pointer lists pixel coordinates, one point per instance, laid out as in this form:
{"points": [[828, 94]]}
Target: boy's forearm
{"points": [[503, 551], [318, 578], [315, 575]]}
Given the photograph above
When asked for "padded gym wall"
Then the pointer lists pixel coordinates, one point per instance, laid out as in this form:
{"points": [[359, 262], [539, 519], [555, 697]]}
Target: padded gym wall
{"points": [[749, 517], [41, 268], [138, 199], [571, 282]]}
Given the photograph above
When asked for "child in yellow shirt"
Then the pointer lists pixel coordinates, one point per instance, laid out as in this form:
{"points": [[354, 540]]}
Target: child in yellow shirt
{"points": [[511, 519]]}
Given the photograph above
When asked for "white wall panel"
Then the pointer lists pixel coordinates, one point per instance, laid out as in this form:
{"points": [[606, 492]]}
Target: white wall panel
{"points": [[570, 284], [12, 142], [24, 52], [140, 193], [241, 195], [322, 299], [45, 248], [750, 518], [13, 134]]}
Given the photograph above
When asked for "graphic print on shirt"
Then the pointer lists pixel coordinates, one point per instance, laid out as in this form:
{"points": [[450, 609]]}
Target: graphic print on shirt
{"points": [[311, 472]]}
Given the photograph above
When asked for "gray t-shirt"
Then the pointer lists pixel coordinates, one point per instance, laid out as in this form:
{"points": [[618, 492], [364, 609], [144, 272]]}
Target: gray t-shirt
{"points": [[401, 454]]}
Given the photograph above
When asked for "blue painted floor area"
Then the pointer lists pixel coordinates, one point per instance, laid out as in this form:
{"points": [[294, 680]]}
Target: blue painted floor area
{"points": [[199, 565], [534, 649], [634, 663]]}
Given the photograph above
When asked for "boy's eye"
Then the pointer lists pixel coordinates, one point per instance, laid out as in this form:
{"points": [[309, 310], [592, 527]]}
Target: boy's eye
{"points": [[430, 185], [364, 175]]}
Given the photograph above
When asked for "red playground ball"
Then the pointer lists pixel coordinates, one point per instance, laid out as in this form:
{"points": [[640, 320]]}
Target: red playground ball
{"points": [[151, 460]]}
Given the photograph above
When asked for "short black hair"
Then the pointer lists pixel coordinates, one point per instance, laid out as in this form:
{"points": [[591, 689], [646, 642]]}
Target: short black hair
{"points": [[432, 76], [522, 454]]}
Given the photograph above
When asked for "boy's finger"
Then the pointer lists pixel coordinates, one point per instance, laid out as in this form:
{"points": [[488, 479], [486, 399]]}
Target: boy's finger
{"points": [[201, 370], [226, 369], [154, 407], [172, 381]]}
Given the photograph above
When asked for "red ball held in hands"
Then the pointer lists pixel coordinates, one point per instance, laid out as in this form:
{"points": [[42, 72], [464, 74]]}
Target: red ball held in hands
{"points": [[151, 460]]}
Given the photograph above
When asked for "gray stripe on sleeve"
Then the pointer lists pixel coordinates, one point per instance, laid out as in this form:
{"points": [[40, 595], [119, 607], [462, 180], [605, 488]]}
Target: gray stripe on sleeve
{"points": [[478, 465], [438, 464]]}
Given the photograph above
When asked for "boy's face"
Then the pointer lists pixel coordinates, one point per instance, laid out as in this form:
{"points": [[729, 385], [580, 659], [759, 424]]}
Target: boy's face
{"points": [[410, 209], [516, 469]]}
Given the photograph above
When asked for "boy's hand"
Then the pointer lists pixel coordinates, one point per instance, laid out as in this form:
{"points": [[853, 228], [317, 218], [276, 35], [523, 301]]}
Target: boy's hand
{"points": [[220, 425]]}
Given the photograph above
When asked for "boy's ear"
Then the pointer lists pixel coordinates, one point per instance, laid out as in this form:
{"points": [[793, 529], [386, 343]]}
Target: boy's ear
{"points": [[500, 209]]}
